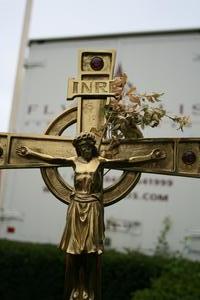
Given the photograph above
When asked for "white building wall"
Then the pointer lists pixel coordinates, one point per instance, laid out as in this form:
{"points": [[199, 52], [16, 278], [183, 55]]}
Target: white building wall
{"points": [[168, 63]]}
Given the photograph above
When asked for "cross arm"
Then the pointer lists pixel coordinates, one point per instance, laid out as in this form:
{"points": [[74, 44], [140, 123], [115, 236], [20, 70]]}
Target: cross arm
{"points": [[178, 156], [43, 151]]}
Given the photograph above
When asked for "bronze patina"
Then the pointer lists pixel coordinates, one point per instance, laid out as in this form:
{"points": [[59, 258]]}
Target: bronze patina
{"points": [[88, 155]]}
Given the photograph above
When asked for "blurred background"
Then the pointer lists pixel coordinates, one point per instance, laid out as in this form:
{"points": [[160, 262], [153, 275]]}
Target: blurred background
{"points": [[158, 45], [80, 18]]}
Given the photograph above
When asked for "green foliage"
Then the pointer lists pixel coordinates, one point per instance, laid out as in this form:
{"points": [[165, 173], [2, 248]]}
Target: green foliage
{"points": [[126, 273], [32, 271], [162, 247], [181, 280]]}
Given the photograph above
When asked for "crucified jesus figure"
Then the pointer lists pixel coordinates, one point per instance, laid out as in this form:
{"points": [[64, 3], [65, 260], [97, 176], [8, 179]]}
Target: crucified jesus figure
{"points": [[83, 235]]}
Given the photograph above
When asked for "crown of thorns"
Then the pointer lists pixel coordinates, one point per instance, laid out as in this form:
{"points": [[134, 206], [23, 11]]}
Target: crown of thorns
{"points": [[87, 137]]}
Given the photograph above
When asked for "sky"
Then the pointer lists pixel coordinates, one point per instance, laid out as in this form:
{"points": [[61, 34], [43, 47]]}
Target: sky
{"points": [[64, 18]]}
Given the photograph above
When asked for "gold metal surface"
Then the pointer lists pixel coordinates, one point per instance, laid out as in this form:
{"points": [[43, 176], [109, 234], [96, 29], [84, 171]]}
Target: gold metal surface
{"points": [[62, 190], [12, 143], [93, 85], [174, 163], [83, 236], [87, 88], [84, 231]]}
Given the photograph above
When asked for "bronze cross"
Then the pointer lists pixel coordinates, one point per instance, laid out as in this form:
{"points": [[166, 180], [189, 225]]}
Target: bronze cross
{"points": [[84, 232]]}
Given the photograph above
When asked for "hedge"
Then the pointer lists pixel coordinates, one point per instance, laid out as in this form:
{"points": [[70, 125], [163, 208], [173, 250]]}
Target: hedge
{"points": [[180, 281], [30, 271], [36, 271]]}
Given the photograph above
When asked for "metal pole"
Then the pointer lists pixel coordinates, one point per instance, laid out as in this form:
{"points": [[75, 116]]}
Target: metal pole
{"points": [[20, 66], [17, 89]]}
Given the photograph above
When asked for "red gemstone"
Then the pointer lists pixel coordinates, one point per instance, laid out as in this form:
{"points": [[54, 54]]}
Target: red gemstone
{"points": [[1, 151], [11, 229], [189, 157], [97, 63]]}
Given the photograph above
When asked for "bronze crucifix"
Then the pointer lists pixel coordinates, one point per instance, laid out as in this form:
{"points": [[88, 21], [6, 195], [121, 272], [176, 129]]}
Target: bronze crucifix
{"points": [[83, 235]]}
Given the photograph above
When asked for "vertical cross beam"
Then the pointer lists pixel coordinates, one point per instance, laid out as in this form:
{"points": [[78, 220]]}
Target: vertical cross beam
{"points": [[93, 85]]}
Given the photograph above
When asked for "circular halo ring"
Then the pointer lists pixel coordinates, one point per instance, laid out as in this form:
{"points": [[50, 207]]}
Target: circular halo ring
{"points": [[61, 189]]}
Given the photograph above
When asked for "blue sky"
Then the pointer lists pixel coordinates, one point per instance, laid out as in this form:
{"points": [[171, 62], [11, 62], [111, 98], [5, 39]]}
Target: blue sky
{"points": [[56, 18]]}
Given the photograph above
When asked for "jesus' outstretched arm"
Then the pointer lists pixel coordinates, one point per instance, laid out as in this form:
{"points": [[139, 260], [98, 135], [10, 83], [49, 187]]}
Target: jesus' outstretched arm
{"points": [[155, 154], [27, 152]]}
